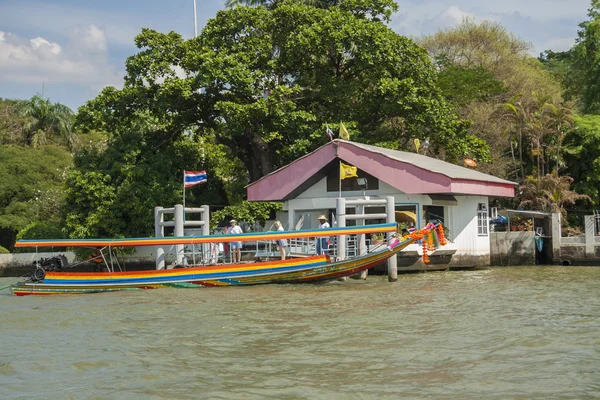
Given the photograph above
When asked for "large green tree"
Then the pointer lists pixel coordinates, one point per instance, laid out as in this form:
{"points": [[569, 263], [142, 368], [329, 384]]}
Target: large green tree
{"points": [[254, 91], [579, 67], [489, 76], [32, 183]]}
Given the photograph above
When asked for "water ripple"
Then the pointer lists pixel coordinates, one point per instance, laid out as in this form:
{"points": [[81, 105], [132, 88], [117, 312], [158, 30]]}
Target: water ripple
{"points": [[514, 333]]}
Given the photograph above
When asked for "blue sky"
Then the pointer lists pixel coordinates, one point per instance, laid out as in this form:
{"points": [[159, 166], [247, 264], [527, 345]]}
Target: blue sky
{"points": [[73, 49]]}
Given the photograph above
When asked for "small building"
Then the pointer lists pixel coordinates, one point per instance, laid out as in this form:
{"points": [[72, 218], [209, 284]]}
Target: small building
{"points": [[424, 190]]}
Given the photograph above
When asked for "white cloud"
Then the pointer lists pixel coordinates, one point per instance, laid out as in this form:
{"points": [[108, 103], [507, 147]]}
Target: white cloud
{"points": [[83, 60], [452, 15]]}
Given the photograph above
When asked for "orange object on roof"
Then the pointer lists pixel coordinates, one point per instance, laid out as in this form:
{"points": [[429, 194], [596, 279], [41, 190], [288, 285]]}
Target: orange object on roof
{"points": [[470, 162]]}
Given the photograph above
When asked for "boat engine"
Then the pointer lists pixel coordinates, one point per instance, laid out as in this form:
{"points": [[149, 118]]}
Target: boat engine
{"points": [[56, 263]]}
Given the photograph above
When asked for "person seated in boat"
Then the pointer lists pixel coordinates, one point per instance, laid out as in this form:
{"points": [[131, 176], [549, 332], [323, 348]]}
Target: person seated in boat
{"points": [[322, 244], [97, 259], [282, 243], [236, 247]]}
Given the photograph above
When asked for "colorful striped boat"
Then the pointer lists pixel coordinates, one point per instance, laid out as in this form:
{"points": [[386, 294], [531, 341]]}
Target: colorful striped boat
{"points": [[299, 270]]}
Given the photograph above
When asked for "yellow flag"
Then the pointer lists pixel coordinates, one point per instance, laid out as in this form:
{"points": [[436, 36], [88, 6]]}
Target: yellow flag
{"points": [[343, 132], [347, 171]]}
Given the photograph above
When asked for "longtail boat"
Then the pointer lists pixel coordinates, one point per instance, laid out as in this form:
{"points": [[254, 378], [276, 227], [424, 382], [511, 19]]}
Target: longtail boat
{"points": [[297, 270]]}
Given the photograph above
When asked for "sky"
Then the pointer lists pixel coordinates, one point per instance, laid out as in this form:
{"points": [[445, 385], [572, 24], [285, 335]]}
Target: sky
{"points": [[69, 50]]}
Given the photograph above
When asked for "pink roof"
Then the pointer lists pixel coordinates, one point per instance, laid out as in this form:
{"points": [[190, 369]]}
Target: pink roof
{"points": [[410, 173]]}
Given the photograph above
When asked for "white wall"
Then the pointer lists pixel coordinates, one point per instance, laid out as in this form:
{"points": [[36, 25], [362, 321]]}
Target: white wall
{"points": [[460, 219], [463, 226]]}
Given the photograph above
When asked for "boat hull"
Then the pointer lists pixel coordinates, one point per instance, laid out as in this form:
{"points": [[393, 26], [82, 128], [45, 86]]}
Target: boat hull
{"points": [[300, 270]]}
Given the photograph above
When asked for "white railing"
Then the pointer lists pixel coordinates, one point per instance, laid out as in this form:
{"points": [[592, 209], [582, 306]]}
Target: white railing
{"points": [[217, 253]]}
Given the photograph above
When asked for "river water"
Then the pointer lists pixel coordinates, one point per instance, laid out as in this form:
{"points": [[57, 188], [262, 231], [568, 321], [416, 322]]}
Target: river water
{"points": [[501, 333]]}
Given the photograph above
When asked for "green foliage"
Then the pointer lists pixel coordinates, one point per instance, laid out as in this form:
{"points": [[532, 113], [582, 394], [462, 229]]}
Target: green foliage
{"points": [[462, 86], [113, 192], [549, 193], [40, 230], [583, 143], [12, 123], [31, 186], [3, 250], [47, 122], [249, 212], [483, 69], [249, 95], [579, 68]]}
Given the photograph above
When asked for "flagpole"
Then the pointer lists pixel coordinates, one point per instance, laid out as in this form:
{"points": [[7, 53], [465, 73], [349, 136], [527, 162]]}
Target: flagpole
{"points": [[340, 170]]}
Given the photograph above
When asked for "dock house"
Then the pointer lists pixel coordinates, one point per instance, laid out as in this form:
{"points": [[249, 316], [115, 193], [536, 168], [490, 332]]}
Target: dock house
{"points": [[424, 190]]}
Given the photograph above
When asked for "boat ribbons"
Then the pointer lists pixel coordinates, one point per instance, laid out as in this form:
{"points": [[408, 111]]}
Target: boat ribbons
{"points": [[245, 237]]}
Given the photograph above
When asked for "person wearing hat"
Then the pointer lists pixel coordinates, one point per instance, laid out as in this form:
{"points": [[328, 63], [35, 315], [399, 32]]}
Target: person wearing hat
{"points": [[236, 247], [281, 243], [322, 244]]}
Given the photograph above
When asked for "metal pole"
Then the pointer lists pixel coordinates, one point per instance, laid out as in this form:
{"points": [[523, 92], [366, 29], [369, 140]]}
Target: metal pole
{"points": [[392, 261], [179, 232], [195, 21], [159, 232]]}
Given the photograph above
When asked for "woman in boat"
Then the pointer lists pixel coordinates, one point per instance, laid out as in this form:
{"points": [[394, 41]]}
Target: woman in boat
{"points": [[322, 245], [236, 247], [282, 243]]}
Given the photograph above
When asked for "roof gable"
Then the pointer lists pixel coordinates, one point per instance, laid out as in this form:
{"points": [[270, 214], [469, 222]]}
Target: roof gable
{"points": [[408, 172]]}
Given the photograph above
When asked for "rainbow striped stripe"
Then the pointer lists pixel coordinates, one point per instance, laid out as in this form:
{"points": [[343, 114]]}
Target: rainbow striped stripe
{"points": [[190, 240]]}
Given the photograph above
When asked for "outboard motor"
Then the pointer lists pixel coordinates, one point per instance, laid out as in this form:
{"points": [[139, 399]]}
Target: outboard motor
{"points": [[56, 263]]}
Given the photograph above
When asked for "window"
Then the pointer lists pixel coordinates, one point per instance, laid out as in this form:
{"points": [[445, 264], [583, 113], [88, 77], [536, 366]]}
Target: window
{"points": [[482, 219], [407, 216], [434, 214]]}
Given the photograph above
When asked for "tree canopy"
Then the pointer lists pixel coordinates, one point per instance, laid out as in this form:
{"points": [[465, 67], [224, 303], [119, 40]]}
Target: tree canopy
{"points": [[252, 93]]}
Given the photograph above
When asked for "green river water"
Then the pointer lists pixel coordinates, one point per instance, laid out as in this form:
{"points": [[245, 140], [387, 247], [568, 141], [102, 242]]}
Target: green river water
{"points": [[500, 333]]}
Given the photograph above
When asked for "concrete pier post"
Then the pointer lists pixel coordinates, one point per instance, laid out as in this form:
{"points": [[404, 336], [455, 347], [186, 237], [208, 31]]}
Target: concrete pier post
{"points": [[589, 236], [179, 223], [159, 232], [556, 235], [340, 210], [361, 239], [205, 218], [392, 261]]}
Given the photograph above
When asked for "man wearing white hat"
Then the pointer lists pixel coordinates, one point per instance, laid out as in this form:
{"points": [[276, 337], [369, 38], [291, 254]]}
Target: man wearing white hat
{"points": [[322, 242], [236, 247]]}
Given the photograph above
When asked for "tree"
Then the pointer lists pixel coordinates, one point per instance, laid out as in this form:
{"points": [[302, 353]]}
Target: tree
{"points": [[490, 77], [579, 67], [32, 184], [112, 192], [550, 193], [581, 148], [47, 120], [12, 123], [257, 86]]}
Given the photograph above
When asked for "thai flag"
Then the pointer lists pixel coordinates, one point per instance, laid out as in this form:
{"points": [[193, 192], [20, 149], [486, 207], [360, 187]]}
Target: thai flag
{"points": [[191, 178], [329, 132]]}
